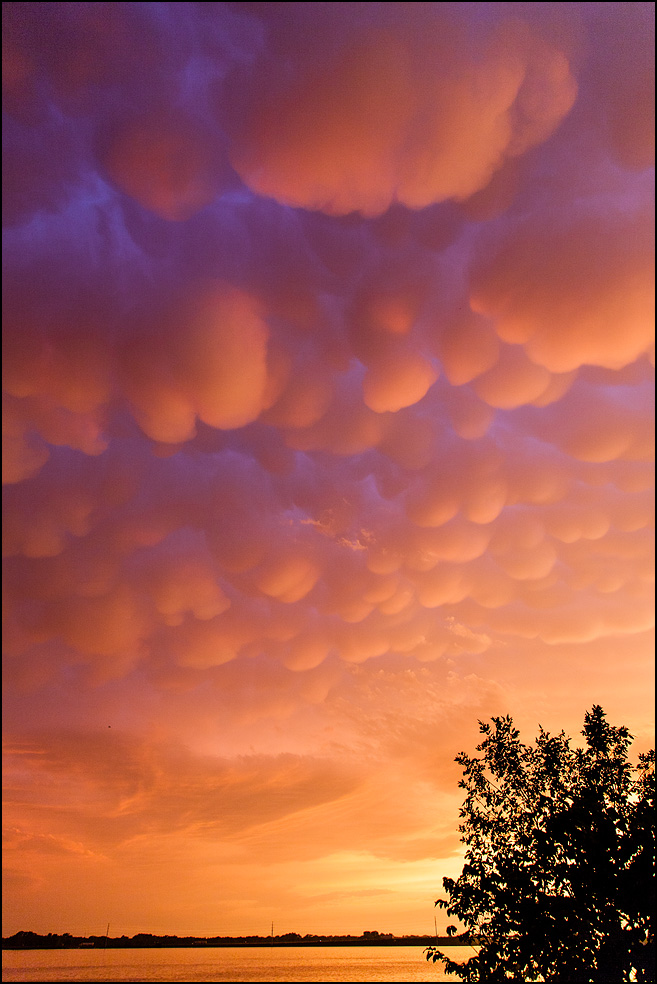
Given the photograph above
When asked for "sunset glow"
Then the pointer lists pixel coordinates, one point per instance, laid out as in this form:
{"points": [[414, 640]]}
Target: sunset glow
{"points": [[328, 390]]}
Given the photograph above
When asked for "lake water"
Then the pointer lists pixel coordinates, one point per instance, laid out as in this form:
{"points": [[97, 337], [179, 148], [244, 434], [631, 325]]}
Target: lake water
{"points": [[334, 963]]}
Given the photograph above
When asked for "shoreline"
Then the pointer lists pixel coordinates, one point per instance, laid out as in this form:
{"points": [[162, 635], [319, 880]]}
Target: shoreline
{"points": [[228, 943]]}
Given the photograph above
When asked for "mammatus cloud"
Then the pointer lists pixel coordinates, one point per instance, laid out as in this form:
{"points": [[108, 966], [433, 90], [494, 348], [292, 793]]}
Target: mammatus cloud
{"points": [[569, 307], [328, 408], [421, 112]]}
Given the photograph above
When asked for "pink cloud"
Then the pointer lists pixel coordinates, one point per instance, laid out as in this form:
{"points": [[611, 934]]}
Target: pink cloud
{"points": [[328, 379]]}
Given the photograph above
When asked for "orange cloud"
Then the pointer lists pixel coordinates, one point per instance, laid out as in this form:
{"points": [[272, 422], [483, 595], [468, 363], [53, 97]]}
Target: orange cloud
{"points": [[313, 461], [574, 288], [216, 369], [402, 117]]}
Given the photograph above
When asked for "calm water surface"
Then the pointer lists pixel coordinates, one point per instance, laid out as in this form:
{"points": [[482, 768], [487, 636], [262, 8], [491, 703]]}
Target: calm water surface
{"points": [[334, 963]]}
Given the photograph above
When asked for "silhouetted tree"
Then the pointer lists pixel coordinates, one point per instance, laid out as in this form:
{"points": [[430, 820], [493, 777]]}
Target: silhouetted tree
{"points": [[558, 881]]}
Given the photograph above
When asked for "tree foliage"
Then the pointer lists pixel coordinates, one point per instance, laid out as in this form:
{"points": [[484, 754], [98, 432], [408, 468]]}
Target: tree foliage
{"points": [[558, 880]]}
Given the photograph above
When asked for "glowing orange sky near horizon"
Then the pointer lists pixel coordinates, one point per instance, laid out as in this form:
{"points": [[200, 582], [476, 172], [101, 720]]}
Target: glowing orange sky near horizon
{"points": [[328, 382]]}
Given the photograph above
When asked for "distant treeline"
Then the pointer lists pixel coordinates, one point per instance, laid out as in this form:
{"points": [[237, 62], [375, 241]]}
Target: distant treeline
{"points": [[54, 941]]}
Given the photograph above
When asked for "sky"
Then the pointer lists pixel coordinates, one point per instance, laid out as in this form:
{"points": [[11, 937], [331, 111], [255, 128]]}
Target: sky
{"points": [[328, 367]]}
